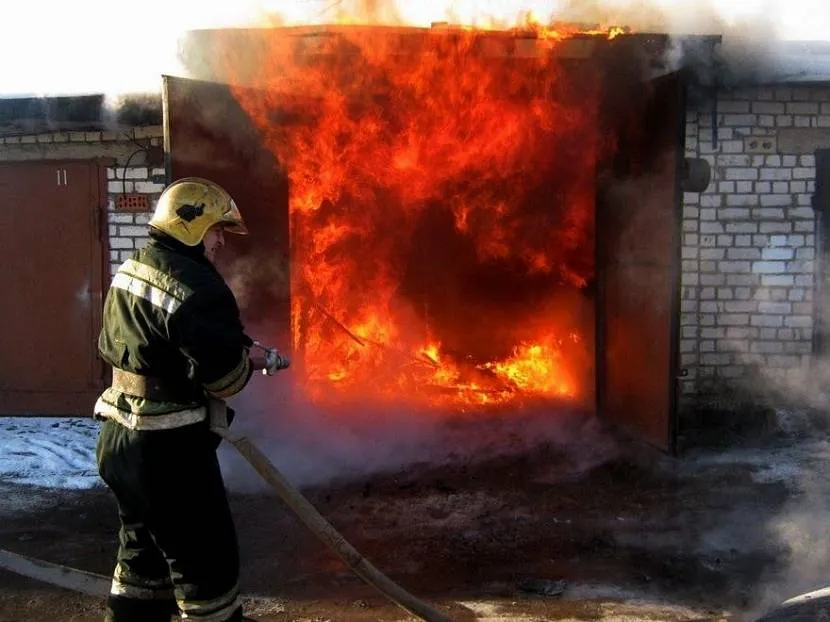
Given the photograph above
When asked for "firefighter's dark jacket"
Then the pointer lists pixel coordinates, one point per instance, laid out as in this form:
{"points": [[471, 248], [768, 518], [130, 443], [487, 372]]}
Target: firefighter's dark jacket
{"points": [[170, 316]]}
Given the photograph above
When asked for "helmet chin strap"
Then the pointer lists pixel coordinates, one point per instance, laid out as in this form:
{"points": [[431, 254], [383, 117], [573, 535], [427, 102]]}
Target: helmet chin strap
{"points": [[210, 253], [213, 240]]}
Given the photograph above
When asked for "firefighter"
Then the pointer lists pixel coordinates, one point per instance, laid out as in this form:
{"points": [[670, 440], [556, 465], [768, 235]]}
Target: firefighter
{"points": [[172, 333]]}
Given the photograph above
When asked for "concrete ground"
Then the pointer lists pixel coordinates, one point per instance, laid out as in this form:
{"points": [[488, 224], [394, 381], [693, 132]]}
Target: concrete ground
{"points": [[571, 525]]}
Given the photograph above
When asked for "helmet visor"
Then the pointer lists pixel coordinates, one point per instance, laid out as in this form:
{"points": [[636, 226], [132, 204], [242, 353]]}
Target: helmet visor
{"points": [[232, 220]]}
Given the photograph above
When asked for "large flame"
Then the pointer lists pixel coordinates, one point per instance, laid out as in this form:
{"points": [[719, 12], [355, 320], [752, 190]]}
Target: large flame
{"points": [[441, 202]]}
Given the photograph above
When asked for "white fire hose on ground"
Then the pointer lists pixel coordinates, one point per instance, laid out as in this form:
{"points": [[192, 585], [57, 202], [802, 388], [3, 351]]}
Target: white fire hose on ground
{"points": [[311, 517]]}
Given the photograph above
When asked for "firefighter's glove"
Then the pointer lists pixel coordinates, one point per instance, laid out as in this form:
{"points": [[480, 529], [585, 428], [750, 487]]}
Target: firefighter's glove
{"points": [[274, 362]]}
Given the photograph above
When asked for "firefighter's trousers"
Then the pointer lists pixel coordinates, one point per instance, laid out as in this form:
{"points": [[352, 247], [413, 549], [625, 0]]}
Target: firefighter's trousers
{"points": [[177, 542]]}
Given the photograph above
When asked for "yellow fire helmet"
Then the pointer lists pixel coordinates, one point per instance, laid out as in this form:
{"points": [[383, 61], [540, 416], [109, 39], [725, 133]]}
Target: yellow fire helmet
{"points": [[190, 206]]}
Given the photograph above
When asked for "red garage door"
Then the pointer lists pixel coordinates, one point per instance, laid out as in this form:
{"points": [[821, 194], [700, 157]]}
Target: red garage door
{"points": [[638, 263], [51, 275]]}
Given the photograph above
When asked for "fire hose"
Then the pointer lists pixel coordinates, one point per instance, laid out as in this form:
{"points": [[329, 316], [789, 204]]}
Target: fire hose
{"points": [[308, 514], [99, 586]]}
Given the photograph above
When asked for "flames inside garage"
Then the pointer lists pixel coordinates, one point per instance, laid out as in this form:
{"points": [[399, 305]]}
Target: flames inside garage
{"points": [[453, 220]]}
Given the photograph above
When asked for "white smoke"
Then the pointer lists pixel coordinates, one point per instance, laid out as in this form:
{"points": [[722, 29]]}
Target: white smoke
{"points": [[798, 397], [96, 46], [313, 446]]}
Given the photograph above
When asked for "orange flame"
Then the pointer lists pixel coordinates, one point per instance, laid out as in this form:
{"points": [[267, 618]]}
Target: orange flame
{"points": [[441, 201]]}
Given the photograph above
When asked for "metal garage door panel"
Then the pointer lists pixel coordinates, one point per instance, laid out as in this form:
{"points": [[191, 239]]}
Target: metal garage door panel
{"points": [[209, 135], [638, 252], [51, 277]]}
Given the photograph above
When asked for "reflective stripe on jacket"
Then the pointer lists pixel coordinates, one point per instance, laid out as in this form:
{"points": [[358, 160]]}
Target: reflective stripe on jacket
{"points": [[170, 315]]}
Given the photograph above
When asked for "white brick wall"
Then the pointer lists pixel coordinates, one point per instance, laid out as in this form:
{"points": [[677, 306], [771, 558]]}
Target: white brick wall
{"points": [[749, 240], [79, 145], [128, 230]]}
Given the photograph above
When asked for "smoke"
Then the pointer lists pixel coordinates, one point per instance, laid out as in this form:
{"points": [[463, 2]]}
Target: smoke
{"points": [[251, 276], [314, 446], [796, 534], [128, 110], [134, 48], [751, 31], [754, 38], [803, 531], [760, 20], [795, 395], [751, 48]]}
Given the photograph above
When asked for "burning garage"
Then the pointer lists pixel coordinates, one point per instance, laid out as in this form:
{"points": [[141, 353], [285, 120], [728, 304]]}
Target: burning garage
{"points": [[454, 219], [477, 222], [485, 230]]}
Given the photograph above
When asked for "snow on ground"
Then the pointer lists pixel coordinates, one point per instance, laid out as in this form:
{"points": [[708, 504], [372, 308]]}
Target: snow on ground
{"points": [[59, 453], [39, 456], [48, 452]]}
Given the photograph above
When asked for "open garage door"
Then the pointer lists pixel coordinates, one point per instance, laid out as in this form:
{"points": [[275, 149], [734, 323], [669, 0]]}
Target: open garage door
{"points": [[208, 135], [51, 275], [638, 225], [638, 262]]}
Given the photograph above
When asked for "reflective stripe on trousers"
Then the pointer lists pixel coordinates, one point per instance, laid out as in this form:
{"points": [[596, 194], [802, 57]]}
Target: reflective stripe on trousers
{"points": [[126, 590], [175, 521], [215, 610]]}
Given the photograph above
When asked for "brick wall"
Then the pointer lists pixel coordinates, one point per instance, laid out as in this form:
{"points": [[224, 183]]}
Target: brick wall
{"points": [[128, 229], [749, 240], [80, 145]]}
